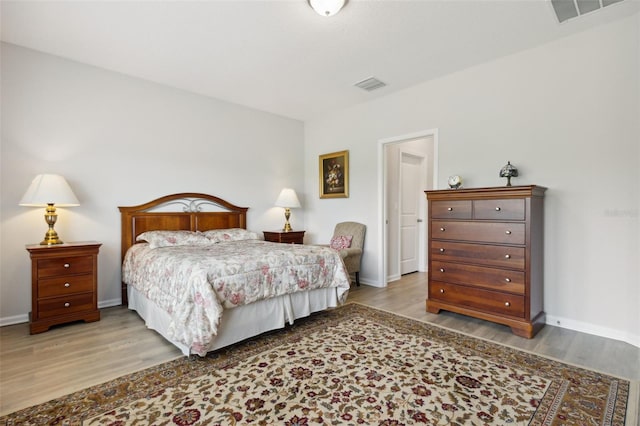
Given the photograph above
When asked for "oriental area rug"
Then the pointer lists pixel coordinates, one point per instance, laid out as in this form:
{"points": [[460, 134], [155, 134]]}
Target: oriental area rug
{"points": [[351, 365]]}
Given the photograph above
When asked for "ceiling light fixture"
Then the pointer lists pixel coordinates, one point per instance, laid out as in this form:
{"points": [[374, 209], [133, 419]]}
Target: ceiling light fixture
{"points": [[327, 7]]}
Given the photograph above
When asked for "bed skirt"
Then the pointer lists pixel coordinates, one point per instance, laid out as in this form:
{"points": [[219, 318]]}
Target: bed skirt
{"points": [[244, 321]]}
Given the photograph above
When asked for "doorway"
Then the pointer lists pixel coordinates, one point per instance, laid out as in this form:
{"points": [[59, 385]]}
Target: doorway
{"points": [[408, 169]]}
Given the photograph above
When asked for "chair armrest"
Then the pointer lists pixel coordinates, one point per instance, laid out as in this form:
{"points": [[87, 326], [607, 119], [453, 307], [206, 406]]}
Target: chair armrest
{"points": [[351, 251]]}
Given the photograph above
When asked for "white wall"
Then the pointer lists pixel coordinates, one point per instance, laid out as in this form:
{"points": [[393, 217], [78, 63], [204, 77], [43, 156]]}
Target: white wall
{"points": [[122, 141], [567, 115]]}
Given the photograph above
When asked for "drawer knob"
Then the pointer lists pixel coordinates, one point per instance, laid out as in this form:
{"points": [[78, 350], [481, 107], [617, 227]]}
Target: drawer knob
{"points": [[507, 256], [449, 209], [441, 269], [507, 304], [498, 209], [507, 232], [66, 265], [442, 290], [67, 304], [508, 280], [442, 229], [67, 285], [441, 250]]}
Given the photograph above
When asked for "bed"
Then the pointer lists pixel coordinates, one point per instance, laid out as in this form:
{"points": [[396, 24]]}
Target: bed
{"points": [[196, 275]]}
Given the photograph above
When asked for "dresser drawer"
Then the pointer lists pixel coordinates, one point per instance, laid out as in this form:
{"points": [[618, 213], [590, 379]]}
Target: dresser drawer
{"points": [[479, 276], [66, 265], [504, 256], [62, 286], [487, 232], [512, 209], [65, 305], [451, 209], [476, 298]]}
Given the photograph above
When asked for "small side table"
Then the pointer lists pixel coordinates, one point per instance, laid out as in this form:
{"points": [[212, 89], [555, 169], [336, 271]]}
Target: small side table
{"points": [[64, 284], [291, 237]]}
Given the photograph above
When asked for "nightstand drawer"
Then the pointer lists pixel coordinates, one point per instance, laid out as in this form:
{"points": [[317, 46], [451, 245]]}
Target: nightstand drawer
{"points": [[475, 298], [65, 305], [289, 237], [62, 286], [65, 266]]}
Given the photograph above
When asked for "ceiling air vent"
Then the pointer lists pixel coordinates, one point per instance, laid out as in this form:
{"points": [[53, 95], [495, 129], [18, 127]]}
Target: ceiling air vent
{"points": [[568, 9], [370, 84]]}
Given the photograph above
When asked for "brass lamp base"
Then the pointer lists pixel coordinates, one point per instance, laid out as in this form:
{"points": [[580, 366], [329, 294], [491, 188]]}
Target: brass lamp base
{"points": [[287, 215], [51, 237]]}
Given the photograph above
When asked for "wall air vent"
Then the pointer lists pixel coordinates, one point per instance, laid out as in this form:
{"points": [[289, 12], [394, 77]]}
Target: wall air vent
{"points": [[568, 9], [370, 84]]}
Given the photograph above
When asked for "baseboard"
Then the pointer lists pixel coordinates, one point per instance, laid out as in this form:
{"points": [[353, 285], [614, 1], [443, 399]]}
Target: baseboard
{"points": [[583, 327], [109, 303], [16, 319]]}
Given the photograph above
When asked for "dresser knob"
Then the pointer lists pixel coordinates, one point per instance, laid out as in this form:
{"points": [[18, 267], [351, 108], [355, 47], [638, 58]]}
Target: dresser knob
{"points": [[442, 229], [66, 305], [442, 290], [498, 209], [66, 265], [507, 232], [507, 256], [507, 304], [441, 269], [450, 209], [508, 280], [441, 250], [67, 285]]}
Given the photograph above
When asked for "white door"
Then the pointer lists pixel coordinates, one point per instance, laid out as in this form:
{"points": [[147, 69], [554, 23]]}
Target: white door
{"points": [[410, 190]]}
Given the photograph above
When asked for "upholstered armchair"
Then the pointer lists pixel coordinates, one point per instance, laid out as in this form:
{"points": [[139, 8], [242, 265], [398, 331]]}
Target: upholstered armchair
{"points": [[351, 255]]}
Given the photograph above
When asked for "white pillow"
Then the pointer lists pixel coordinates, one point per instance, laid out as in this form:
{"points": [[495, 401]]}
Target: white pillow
{"points": [[173, 238], [231, 234]]}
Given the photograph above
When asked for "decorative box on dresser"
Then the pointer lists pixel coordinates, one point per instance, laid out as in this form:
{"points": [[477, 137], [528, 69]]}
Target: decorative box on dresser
{"points": [[289, 237], [486, 255], [64, 284]]}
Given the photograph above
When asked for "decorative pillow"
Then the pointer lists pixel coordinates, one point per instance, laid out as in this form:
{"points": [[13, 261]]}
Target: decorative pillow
{"points": [[173, 238], [231, 234], [340, 242]]}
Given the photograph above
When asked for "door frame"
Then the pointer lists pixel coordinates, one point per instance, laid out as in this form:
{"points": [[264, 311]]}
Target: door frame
{"points": [[382, 190]]}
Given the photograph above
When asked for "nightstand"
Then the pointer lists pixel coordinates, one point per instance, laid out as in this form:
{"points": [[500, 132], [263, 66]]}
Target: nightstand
{"points": [[291, 237], [64, 284]]}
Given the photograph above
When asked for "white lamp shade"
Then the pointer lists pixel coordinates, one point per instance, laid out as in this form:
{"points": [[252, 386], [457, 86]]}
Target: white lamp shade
{"points": [[326, 7], [288, 198], [49, 189]]}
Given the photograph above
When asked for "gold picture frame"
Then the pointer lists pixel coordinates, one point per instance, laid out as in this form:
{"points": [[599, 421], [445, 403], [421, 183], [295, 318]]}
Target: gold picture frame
{"points": [[334, 175]]}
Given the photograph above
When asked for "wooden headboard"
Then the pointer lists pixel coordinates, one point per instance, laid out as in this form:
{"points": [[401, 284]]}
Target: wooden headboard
{"points": [[184, 211]]}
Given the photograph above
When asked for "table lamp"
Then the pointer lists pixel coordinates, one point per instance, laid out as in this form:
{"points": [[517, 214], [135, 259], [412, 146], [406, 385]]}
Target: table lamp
{"points": [[49, 191], [289, 200]]}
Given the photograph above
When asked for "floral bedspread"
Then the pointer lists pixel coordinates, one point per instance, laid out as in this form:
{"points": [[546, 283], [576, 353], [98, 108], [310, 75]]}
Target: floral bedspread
{"points": [[195, 283]]}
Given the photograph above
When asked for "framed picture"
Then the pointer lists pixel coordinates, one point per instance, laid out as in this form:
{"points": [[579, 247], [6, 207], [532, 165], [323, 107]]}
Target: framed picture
{"points": [[334, 175]]}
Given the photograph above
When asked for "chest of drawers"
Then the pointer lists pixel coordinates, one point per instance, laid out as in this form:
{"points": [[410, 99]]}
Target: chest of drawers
{"points": [[64, 284], [486, 255]]}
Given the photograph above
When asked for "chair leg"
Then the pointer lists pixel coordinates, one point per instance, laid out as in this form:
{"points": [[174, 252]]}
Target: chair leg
{"points": [[357, 279]]}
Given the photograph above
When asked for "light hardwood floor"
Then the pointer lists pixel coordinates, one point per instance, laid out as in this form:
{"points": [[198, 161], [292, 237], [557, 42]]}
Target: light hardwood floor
{"points": [[35, 369]]}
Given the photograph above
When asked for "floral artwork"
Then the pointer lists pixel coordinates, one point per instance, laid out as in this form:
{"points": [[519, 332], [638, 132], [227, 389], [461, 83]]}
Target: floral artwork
{"points": [[334, 175]]}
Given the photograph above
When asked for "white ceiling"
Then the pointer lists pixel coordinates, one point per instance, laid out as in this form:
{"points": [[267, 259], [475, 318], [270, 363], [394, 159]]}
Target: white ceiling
{"points": [[280, 56]]}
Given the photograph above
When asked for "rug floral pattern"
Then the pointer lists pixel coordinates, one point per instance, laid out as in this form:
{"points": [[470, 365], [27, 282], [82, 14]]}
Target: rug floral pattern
{"points": [[352, 365]]}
